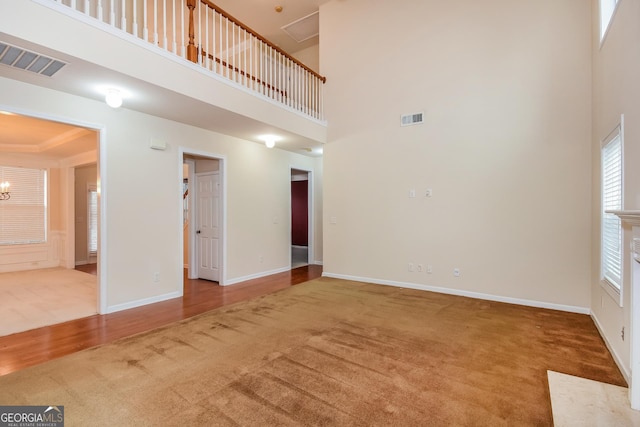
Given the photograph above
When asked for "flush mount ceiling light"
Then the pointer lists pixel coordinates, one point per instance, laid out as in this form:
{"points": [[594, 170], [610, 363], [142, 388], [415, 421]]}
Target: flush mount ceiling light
{"points": [[113, 98], [269, 140]]}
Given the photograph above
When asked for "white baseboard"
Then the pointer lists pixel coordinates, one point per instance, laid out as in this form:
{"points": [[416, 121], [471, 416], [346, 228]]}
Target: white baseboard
{"points": [[141, 302], [10, 268], [82, 262], [254, 276], [625, 372], [476, 295], [317, 263]]}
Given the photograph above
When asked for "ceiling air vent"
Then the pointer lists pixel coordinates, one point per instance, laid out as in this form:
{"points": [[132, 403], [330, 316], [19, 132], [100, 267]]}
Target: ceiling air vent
{"points": [[30, 61], [412, 119], [303, 28]]}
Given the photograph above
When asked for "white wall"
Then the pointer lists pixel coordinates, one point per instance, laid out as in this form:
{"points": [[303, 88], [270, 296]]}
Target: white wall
{"points": [[309, 57], [141, 192], [506, 91], [616, 67]]}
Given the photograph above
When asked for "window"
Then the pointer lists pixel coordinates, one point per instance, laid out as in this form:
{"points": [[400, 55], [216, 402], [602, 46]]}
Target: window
{"points": [[612, 200], [607, 9], [92, 210], [23, 218]]}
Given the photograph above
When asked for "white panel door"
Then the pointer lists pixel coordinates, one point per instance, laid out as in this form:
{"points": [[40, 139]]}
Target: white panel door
{"points": [[207, 225]]}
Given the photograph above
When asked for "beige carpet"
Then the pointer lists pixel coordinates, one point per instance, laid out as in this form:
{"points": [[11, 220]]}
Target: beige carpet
{"points": [[32, 299], [327, 352]]}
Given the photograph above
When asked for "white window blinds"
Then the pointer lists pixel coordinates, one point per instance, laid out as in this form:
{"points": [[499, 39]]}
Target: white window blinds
{"points": [[612, 200], [607, 8], [92, 202], [23, 218]]}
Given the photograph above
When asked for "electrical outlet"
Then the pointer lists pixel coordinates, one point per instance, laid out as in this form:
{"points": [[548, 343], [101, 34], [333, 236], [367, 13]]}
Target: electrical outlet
{"points": [[156, 277], [429, 269], [420, 268], [261, 259], [456, 272], [412, 193], [410, 267], [428, 193]]}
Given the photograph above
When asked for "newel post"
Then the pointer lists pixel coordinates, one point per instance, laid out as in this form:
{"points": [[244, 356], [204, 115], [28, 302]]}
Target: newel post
{"points": [[192, 51]]}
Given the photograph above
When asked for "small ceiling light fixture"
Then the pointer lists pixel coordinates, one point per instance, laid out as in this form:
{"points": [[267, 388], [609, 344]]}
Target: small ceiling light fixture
{"points": [[113, 98], [269, 140]]}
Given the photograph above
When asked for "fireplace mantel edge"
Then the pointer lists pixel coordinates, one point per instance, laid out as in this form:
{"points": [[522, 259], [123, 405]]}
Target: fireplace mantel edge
{"points": [[630, 217]]}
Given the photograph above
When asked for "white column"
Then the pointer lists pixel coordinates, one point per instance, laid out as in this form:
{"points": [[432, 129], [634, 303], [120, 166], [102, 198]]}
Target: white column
{"points": [[633, 218]]}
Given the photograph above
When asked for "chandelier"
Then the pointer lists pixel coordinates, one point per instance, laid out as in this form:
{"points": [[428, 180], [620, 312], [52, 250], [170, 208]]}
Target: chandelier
{"points": [[4, 191]]}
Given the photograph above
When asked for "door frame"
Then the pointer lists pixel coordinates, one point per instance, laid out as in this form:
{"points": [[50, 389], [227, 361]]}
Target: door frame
{"points": [[193, 254], [310, 213]]}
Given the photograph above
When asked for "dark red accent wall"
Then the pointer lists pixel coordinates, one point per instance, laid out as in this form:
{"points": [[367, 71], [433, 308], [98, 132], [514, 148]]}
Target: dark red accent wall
{"points": [[299, 213]]}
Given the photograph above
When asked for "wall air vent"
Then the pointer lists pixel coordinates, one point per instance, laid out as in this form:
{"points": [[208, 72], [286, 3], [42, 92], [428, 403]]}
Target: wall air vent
{"points": [[412, 119], [30, 61]]}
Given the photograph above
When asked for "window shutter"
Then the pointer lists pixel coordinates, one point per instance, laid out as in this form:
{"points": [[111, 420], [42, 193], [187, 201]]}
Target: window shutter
{"points": [[23, 218], [612, 200]]}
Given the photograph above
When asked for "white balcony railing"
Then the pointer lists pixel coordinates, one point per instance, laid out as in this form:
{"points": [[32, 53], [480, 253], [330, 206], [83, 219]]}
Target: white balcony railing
{"points": [[201, 32]]}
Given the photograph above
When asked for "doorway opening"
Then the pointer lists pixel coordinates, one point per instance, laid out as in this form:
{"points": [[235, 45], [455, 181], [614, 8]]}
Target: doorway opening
{"points": [[301, 217], [203, 224], [58, 150]]}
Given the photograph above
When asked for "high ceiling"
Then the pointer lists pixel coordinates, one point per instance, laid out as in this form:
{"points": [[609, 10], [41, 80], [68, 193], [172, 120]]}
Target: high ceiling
{"points": [[261, 16], [19, 134]]}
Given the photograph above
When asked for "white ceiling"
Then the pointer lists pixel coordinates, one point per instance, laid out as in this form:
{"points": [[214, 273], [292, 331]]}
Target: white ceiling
{"points": [[260, 16], [19, 134]]}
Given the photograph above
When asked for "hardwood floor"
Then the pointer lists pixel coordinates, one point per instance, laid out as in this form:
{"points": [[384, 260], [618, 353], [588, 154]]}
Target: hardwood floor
{"points": [[88, 268], [21, 350]]}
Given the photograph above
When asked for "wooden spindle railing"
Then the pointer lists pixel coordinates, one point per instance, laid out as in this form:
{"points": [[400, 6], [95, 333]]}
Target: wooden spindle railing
{"points": [[203, 33], [222, 42], [192, 50], [242, 73], [250, 31]]}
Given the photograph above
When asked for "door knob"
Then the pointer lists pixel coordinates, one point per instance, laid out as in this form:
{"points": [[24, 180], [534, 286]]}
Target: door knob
{"points": [[198, 232]]}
